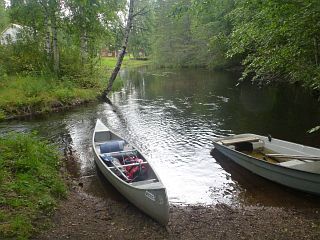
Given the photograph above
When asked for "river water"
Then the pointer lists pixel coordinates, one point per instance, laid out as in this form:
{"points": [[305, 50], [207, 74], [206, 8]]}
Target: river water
{"points": [[172, 116]]}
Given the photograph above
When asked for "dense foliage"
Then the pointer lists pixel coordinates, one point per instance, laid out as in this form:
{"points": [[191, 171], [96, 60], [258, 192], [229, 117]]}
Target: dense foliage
{"points": [[280, 39], [30, 184], [271, 39], [192, 33], [60, 37], [3, 16], [141, 33]]}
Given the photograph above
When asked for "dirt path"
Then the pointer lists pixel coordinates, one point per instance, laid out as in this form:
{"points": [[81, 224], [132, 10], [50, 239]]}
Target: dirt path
{"points": [[83, 216]]}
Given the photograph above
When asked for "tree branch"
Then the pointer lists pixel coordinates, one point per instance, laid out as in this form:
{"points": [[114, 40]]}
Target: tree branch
{"points": [[141, 12]]}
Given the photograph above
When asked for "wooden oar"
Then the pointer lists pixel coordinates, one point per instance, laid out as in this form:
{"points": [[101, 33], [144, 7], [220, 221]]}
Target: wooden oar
{"points": [[300, 157], [266, 155]]}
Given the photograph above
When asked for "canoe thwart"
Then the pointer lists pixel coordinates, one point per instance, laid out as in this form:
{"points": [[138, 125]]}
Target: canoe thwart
{"points": [[131, 164], [120, 154]]}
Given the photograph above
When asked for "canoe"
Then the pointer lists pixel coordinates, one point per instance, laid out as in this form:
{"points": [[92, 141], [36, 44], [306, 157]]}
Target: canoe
{"points": [[290, 164], [130, 173]]}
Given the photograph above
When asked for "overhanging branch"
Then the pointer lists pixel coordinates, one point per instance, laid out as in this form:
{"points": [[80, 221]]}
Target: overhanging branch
{"points": [[141, 12]]}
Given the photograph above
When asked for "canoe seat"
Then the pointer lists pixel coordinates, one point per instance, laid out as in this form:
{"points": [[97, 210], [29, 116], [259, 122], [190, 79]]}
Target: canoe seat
{"points": [[239, 140], [102, 136], [145, 182]]}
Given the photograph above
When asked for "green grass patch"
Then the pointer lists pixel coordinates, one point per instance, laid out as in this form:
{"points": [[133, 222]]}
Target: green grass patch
{"points": [[25, 95], [110, 62], [20, 95], [30, 184]]}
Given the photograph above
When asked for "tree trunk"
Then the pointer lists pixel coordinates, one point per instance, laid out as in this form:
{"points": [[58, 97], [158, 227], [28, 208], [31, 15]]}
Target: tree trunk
{"points": [[48, 42], [316, 51], [122, 53], [47, 26], [84, 47], [56, 59]]}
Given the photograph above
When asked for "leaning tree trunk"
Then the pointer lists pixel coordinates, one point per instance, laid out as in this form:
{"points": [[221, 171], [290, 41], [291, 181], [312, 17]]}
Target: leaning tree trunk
{"points": [[122, 53]]}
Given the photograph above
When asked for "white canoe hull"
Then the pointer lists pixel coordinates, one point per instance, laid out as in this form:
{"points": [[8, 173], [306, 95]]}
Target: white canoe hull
{"points": [[150, 198], [287, 176]]}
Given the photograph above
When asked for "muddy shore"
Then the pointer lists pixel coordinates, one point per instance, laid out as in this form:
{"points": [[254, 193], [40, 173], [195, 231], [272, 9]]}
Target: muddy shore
{"points": [[89, 214], [83, 216]]}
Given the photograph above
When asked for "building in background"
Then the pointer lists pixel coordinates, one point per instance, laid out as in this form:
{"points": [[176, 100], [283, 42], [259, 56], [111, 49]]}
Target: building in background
{"points": [[11, 34]]}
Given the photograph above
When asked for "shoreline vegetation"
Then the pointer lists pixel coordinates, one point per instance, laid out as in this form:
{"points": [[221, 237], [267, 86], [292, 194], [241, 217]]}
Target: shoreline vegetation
{"points": [[27, 95], [32, 176], [31, 184]]}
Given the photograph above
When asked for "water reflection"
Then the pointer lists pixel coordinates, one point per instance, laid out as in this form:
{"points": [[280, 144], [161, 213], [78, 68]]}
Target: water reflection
{"points": [[255, 190], [173, 118]]}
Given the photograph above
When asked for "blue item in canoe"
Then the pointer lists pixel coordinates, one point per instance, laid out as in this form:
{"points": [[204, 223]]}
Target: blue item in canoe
{"points": [[112, 146]]}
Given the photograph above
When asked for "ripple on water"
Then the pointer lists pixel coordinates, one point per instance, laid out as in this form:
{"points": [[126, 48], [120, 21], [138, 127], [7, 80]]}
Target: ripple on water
{"points": [[173, 124]]}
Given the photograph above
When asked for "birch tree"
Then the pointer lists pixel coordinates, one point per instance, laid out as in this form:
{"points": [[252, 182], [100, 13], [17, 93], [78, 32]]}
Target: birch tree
{"points": [[132, 14]]}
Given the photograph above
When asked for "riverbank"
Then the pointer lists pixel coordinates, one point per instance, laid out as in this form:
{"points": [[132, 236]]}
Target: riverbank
{"points": [[30, 184], [84, 216], [31, 95]]}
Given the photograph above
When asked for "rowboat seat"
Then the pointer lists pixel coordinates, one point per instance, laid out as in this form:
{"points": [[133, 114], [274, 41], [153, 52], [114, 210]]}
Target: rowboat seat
{"points": [[291, 163], [313, 167], [239, 140]]}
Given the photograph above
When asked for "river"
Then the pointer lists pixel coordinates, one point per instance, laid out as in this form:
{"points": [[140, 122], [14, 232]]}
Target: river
{"points": [[172, 116]]}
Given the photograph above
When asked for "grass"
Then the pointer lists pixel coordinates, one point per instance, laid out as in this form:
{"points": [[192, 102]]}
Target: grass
{"points": [[26, 95], [30, 184], [110, 62], [21, 95]]}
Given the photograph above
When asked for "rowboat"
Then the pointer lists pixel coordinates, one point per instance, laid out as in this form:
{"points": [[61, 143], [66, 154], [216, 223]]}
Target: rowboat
{"points": [[130, 173], [290, 164]]}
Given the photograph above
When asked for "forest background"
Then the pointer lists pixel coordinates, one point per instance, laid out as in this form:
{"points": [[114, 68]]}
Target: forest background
{"points": [[56, 60]]}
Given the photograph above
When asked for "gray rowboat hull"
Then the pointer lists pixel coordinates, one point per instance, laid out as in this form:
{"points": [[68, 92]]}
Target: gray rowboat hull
{"points": [[297, 179]]}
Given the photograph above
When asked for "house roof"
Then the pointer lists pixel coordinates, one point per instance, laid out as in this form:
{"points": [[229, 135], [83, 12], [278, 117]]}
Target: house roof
{"points": [[11, 25]]}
